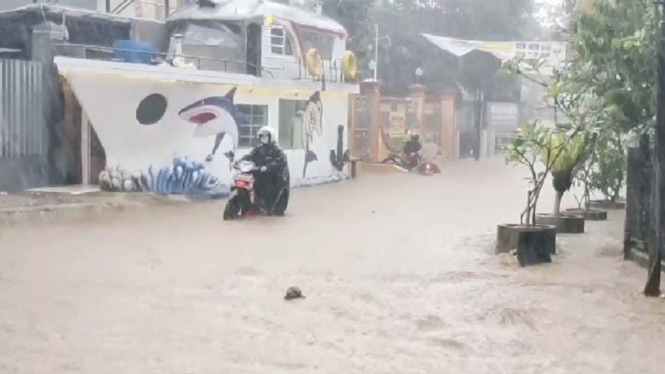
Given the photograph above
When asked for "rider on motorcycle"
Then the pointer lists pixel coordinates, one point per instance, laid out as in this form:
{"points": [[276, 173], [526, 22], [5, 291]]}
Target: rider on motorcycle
{"points": [[271, 187], [411, 149], [412, 144]]}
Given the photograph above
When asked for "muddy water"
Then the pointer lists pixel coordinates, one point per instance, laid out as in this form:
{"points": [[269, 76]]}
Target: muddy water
{"points": [[397, 271]]}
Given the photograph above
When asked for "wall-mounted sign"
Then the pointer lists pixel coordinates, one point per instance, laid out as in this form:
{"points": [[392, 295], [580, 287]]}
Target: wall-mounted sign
{"points": [[397, 124], [503, 115]]}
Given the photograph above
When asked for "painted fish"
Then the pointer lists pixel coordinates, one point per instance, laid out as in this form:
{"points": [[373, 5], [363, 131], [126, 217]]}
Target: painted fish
{"points": [[311, 120]]}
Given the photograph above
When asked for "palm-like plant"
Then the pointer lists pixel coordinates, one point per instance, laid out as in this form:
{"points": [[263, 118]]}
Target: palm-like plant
{"points": [[567, 155]]}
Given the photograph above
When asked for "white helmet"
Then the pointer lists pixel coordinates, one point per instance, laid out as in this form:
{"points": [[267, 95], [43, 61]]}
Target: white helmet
{"points": [[266, 132]]}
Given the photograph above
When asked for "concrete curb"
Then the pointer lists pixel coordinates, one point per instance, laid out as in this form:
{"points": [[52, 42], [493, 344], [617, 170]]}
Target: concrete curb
{"points": [[82, 210], [32, 214]]}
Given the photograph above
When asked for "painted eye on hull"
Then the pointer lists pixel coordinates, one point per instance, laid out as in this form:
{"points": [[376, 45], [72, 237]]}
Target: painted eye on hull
{"points": [[151, 109]]}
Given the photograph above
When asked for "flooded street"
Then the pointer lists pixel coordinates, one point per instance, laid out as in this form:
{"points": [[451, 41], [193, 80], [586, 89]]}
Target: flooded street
{"points": [[398, 271]]}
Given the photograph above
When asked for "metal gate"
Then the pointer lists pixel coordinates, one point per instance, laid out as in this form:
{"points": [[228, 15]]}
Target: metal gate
{"points": [[361, 119], [397, 116], [432, 123]]}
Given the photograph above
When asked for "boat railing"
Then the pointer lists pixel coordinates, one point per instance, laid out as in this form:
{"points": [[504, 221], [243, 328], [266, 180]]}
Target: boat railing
{"points": [[296, 69], [332, 69], [94, 52]]}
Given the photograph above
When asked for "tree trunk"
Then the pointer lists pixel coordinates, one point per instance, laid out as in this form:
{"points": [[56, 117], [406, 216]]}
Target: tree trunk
{"points": [[652, 287], [557, 203]]}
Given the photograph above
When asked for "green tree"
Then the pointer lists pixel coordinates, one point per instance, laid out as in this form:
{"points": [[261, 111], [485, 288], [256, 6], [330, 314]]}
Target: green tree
{"points": [[614, 45], [615, 42], [356, 17], [609, 166]]}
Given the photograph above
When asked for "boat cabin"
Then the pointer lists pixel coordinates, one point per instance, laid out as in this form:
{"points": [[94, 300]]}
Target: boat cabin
{"points": [[259, 38], [255, 37]]}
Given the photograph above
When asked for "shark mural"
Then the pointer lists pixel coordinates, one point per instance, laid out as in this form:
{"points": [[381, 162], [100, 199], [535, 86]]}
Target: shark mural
{"points": [[213, 116], [218, 117], [311, 121]]}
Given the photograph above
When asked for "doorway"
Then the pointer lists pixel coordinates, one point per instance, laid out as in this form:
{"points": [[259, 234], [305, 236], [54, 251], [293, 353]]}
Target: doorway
{"points": [[254, 41]]}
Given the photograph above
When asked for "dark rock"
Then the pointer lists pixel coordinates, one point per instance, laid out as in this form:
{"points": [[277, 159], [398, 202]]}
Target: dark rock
{"points": [[293, 293]]}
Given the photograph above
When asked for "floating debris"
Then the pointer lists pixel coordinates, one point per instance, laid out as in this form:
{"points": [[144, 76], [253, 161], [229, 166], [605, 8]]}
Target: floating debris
{"points": [[293, 293]]}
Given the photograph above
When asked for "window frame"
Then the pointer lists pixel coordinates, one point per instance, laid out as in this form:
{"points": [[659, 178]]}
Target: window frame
{"points": [[248, 110], [281, 42]]}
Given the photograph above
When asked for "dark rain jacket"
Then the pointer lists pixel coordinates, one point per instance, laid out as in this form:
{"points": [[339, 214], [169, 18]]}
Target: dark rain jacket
{"points": [[271, 187]]}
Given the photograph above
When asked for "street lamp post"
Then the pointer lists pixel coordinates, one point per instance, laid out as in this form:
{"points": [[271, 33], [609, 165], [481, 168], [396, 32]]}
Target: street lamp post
{"points": [[372, 67], [419, 75], [376, 52]]}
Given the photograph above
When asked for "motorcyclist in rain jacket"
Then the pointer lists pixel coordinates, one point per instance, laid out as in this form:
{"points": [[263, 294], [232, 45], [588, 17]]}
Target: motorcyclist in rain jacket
{"points": [[412, 144], [272, 184], [411, 150]]}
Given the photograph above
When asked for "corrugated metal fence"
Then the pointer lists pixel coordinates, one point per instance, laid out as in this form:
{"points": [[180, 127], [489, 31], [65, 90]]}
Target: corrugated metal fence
{"points": [[23, 125]]}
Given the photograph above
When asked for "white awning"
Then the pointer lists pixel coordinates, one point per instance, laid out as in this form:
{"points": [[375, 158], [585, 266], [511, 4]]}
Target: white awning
{"points": [[552, 54]]}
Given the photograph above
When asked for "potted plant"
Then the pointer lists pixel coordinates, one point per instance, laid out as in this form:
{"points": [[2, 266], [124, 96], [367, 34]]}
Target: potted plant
{"points": [[534, 242], [572, 150]]}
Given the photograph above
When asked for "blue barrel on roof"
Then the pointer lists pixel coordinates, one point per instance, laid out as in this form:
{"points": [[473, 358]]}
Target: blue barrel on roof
{"points": [[134, 51]]}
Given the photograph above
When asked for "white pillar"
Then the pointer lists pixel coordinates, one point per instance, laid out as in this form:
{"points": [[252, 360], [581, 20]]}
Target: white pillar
{"points": [[85, 148]]}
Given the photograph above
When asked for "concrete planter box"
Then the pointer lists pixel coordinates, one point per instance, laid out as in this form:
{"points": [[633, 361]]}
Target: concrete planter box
{"points": [[564, 223], [534, 244], [589, 214], [607, 204]]}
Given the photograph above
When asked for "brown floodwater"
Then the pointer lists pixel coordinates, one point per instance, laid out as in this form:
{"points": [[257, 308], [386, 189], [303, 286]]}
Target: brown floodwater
{"points": [[398, 272]]}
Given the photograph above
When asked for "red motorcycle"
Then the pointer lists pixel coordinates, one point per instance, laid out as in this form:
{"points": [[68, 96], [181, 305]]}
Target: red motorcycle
{"points": [[408, 162], [241, 201], [428, 168]]}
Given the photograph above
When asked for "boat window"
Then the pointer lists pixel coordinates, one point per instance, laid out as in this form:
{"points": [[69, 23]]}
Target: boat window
{"points": [[257, 117], [280, 44], [321, 41], [214, 46], [213, 35]]}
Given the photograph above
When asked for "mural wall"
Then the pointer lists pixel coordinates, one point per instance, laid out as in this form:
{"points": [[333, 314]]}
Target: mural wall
{"points": [[177, 137]]}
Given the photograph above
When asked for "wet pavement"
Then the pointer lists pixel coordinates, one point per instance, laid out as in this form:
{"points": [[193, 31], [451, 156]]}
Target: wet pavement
{"points": [[398, 272]]}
